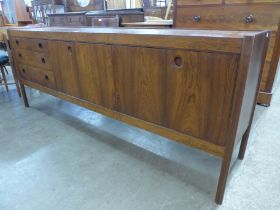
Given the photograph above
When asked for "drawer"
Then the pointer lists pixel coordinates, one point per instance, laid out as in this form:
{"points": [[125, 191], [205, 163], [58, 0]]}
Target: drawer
{"points": [[250, 1], [33, 74], [39, 45], [112, 21], [57, 21], [40, 60], [75, 20], [253, 17], [198, 2]]}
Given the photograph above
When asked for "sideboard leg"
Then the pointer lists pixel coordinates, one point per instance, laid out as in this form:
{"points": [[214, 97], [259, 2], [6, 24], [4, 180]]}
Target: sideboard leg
{"points": [[23, 93], [18, 89], [244, 144], [223, 178]]}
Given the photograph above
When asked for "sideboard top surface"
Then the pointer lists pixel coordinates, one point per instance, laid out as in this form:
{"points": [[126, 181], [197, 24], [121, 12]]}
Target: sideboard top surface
{"points": [[206, 40], [169, 32]]}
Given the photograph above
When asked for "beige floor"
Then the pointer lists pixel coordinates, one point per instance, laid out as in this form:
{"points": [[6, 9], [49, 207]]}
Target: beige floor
{"points": [[56, 155]]}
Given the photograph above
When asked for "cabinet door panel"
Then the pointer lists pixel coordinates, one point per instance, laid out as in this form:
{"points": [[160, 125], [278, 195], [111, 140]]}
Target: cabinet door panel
{"points": [[199, 90], [65, 67], [139, 82], [96, 73]]}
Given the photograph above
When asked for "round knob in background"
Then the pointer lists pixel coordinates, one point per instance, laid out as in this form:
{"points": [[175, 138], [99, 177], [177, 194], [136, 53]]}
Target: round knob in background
{"points": [[249, 18], [197, 18]]}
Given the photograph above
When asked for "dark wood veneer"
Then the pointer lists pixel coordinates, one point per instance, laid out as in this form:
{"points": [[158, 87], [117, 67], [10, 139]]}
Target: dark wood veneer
{"points": [[196, 87]]}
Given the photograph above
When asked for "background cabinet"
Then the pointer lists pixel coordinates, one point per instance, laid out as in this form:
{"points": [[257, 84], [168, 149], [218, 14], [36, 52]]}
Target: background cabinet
{"points": [[237, 15]]}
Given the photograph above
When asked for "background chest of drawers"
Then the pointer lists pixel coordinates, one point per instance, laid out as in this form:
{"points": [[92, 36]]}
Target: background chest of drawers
{"points": [[237, 15], [195, 87], [104, 18]]}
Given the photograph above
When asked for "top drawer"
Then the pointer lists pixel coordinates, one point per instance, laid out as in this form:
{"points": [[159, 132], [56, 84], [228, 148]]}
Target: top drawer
{"points": [[104, 21], [57, 20], [231, 17], [75, 20], [30, 44], [198, 2]]}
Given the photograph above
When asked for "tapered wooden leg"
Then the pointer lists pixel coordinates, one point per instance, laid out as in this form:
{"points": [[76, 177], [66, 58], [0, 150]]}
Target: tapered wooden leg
{"points": [[243, 144], [223, 179], [23, 93], [4, 78]]}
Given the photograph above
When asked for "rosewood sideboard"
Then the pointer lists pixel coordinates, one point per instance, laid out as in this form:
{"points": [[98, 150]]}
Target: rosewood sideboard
{"points": [[237, 15], [195, 87]]}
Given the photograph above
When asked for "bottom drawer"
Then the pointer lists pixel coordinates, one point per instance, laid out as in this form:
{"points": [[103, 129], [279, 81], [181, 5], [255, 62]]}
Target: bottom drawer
{"points": [[45, 78]]}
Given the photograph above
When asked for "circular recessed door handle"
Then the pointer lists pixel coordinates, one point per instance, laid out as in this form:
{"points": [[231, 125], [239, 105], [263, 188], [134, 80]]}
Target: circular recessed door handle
{"points": [[46, 77], [178, 61]]}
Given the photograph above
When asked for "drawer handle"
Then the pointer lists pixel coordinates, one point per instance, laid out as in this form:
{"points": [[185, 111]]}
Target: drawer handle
{"points": [[23, 70], [196, 18], [69, 48], [249, 18], [178, 61], [43, 60], [40, 45], [20, 55], [46, 77], [17, 42]]}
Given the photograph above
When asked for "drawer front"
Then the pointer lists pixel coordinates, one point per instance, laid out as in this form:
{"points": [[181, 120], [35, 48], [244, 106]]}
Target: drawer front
{"points": [[40, 60], [75, 20], [254, 17], [104, 21], [132, 18], [250, 1], [32, 74], [57, 21], [39, 45], [198, 2]]}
